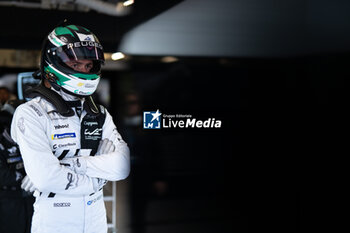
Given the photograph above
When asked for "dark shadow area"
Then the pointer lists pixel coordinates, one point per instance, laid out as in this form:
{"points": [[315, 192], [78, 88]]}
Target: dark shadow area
{"points": [[265, 168]]}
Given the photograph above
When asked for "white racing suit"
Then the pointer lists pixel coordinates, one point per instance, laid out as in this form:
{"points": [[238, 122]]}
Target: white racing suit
{"points": [[67, 201]]}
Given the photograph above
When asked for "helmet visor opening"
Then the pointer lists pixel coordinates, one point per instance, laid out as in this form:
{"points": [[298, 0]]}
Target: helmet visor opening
{"points": [[89, 50], [70, 53]]}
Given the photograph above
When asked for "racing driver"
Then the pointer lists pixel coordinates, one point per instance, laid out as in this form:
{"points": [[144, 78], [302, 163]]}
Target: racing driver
{"points": [[69, 144]]}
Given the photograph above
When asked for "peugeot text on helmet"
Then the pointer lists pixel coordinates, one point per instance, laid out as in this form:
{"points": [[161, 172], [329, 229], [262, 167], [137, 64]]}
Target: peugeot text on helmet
{"points": [[71, 43]]}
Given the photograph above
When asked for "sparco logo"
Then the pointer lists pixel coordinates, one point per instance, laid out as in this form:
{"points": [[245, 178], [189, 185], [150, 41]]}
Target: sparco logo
{"points": [[61, 126], [63, 204]]}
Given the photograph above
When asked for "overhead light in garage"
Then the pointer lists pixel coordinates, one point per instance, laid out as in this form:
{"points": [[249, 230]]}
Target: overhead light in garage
{"points": [[128, 2], [117, 56], [169, 59]]}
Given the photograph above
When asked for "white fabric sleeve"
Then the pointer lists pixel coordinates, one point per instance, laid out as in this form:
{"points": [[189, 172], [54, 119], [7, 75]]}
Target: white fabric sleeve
{"points": [[113, 166], [42, 167]]}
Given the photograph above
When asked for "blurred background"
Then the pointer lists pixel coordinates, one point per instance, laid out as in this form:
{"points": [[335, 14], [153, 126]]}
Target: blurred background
{"points": [[274, 72]]}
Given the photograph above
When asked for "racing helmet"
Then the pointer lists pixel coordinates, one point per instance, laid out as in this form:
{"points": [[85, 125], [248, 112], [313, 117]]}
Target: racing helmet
{"points": [[71, 43]]}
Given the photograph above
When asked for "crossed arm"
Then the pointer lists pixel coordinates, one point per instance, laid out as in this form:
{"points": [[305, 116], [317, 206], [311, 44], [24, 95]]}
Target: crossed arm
{"points": [[44, 169]]}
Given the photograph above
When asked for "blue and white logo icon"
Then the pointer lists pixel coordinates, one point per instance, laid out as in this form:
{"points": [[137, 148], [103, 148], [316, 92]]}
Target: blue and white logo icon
{"points": [[151, 120]]}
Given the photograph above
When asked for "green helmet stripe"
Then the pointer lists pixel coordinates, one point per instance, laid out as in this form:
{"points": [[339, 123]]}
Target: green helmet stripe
{"points": [[62, 31], [61, 78], [73, 27], [86, 76], [57, 42]]}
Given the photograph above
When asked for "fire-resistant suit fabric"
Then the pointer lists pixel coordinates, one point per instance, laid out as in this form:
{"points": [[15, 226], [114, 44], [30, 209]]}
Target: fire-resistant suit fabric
{"points": [[67, 201]]}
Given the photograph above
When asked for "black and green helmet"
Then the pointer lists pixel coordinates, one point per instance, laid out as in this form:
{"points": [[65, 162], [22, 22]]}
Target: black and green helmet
{"points": [[71, 43]]}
